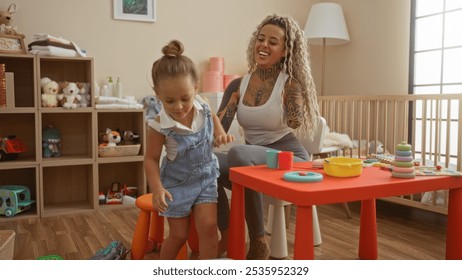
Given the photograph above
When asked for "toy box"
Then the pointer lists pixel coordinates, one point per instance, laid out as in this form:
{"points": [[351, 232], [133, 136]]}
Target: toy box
{"points": [[14, 199]]}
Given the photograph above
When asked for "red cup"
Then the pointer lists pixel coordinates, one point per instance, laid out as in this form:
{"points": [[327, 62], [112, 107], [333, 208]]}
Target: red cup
{"points": [[286, 160]]}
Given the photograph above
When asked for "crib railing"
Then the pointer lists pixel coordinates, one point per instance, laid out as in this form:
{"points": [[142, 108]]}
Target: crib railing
{"points": [[430, 123]]}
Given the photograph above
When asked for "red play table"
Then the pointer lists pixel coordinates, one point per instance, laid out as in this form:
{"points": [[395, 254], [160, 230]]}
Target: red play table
{"points": [[373, 183]]}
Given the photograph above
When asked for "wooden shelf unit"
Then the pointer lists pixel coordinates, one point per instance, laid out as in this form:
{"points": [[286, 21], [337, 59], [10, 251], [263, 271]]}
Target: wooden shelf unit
{"points": [[71, 182]]}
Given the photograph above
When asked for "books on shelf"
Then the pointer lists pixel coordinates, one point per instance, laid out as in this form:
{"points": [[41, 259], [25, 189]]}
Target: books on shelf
{"points": [[9, 78], [2, 86], [6, 88]]}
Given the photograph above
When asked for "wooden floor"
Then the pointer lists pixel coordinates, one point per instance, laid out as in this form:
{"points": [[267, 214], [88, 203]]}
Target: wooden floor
{"points": [[403, 233]]}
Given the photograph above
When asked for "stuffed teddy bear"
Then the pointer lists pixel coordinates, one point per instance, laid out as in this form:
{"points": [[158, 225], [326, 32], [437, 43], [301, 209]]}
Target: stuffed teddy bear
{"points": [[43, 82], [50, 91], [69, 98], [51, 138], [152, 106], [6, 18], [84, 92]]}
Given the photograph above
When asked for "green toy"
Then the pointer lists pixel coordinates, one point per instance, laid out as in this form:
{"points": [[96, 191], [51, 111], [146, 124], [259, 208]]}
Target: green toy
{"points": [[51, 138]]}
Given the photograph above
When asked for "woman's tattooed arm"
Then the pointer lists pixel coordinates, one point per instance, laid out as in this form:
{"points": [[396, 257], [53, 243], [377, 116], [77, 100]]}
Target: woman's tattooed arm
{"points": [[228, 106], [293, 104]]}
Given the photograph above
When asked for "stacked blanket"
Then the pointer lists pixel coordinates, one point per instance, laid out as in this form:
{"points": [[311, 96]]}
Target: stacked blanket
{"points": [[109, 102], [45, 44]]}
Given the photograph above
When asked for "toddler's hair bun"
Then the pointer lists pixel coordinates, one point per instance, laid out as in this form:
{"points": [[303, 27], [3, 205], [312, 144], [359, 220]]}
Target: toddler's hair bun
{"points": [[174, 49]]}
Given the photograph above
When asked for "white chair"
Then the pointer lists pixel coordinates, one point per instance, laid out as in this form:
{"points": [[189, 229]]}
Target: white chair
{"points": [[276, 222], [315, 148]]}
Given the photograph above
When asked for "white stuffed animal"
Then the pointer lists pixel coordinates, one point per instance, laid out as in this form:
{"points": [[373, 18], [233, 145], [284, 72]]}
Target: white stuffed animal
{"points": [[43, 82], [69, 98], [50, 94]]}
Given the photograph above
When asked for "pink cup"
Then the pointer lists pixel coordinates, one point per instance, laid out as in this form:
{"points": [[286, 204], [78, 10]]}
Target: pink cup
{"points": [[286, 160]]}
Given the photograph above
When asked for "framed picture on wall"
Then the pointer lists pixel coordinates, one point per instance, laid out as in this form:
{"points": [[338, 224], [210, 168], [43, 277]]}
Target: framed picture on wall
{"points": [[136, 10]]}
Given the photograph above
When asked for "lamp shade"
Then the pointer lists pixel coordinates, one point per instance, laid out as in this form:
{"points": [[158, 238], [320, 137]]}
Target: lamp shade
{"points": [[326, 21]]}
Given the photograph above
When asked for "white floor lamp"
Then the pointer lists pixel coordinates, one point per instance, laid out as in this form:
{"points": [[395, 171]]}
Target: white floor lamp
{"points": [[326, 26]]}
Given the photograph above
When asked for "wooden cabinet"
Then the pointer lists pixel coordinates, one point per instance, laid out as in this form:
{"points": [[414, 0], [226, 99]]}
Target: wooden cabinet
{"points": [[125, 170], [70, 182]]}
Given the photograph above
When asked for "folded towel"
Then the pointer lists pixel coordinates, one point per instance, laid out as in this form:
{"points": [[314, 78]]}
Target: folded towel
{"points": [[45, 43], [46, 40], [119, 106], [114, 100], [44, 36], [53, 51]]}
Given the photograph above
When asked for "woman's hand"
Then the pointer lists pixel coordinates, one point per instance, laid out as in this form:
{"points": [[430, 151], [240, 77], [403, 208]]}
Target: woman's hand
{"points": [[158, 200], [223, 139]]}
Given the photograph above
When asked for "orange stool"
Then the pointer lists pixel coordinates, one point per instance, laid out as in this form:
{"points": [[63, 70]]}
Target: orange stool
{"points": [[149, 231]]}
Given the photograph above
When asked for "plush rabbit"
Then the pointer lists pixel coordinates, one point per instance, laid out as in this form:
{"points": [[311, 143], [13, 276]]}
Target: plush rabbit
{"points": [[6, 19]]}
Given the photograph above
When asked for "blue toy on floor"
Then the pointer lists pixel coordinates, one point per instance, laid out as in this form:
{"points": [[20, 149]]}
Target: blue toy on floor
{"points": [[14, 199]]}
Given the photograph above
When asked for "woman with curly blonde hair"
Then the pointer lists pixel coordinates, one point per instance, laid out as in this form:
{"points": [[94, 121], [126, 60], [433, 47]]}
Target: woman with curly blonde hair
{"points": [[273, 103]]}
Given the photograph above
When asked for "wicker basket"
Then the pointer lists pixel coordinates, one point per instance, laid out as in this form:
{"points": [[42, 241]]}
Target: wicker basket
{"points": [[119, 151], [6, 244]]}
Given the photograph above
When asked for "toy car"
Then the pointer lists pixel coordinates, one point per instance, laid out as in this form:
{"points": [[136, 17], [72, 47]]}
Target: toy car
{"points": [[114, 194], [14, 199], [11, 147]]}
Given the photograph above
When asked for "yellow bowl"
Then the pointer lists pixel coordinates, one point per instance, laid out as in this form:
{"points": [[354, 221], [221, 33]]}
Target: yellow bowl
{"points": [[343, 167]]}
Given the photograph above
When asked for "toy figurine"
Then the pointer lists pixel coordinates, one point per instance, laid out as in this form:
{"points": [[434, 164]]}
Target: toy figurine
{"points": [[51, 138]]}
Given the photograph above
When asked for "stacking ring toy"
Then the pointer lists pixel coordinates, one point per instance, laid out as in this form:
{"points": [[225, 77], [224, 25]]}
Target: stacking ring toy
{"points": [[403, 159], [302, 176], [403, 147], [403, 163], [403, 169], [403, 153], [403, 175]]}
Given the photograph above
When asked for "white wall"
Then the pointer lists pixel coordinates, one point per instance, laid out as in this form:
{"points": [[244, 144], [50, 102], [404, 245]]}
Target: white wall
{"points": [[374, 62]]}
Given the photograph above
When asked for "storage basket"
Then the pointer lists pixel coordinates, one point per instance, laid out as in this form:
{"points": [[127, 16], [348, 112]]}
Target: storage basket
{"points": [[119, 151], [6, 244]]}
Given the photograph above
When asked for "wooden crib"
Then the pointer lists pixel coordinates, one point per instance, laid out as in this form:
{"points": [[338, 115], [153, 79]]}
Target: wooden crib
{"points": [[430, 123]]}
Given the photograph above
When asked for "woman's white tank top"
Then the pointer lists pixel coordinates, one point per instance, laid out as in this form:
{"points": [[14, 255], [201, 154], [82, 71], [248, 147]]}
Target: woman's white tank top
{"points": [[263, 124]]}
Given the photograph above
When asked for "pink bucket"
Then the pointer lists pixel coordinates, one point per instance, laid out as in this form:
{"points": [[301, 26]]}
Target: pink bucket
{"points": [[217, 64], [212, 81]]}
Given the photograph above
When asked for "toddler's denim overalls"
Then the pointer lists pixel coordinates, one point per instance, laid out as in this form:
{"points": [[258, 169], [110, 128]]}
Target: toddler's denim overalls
{"points": [[191, 178]]}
